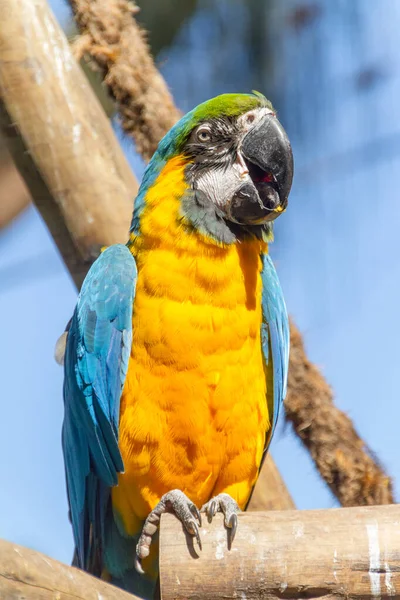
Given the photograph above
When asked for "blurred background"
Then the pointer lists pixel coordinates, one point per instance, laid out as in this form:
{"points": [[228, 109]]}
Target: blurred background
{"points": [[332, 70]]}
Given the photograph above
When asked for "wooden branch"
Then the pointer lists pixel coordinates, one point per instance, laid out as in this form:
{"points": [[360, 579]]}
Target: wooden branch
{"points": [[115, 41], [28, 574], [14, 195], [345, 462], [59, 137], [337, 553], [270, 492]]}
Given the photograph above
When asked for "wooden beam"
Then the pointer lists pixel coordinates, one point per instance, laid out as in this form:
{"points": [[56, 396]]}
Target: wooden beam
{"points": [[270, 492], [25, 573], [14, 195], [337, 553], [60, 138]]}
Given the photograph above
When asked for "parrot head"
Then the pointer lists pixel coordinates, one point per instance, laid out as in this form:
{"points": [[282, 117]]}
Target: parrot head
{"points": [[239, 165]]}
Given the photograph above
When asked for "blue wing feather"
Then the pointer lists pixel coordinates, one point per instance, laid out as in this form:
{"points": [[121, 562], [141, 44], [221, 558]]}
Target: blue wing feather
{"points": [[275, 336], [96, 362]]}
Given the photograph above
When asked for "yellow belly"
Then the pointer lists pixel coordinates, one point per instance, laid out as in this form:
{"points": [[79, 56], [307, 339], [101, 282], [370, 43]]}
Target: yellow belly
{"points": [[193, 410]]}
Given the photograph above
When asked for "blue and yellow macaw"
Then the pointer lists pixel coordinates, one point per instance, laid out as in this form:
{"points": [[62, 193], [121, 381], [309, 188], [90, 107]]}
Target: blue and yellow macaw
{"points": [[177, 353]]}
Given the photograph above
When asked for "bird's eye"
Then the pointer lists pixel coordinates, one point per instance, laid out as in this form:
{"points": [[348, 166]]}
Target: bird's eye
{"points": [[203, 135]]}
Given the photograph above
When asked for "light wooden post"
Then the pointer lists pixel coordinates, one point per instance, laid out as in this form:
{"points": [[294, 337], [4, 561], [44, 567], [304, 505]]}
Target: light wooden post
{"points": [[30, 575], [60, 138], [338, 553], [270, 492]]}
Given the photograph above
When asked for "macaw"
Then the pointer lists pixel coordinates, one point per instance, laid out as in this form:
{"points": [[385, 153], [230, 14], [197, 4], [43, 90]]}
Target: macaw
{"points": [[177, 353]]}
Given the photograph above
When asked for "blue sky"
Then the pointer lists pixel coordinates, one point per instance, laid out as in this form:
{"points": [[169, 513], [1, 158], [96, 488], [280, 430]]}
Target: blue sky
{"points": [[336, 85]]}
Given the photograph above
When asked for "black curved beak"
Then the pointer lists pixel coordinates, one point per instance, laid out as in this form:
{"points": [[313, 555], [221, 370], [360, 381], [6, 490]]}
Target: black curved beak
{"points": [[269, 158]]}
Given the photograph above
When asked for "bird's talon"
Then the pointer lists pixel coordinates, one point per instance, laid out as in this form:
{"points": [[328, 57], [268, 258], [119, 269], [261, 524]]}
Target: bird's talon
{"points": [[210, 509], [195, 531], [232, 524], [138, 565], [195, 512], [227, 505], [183, 508]]}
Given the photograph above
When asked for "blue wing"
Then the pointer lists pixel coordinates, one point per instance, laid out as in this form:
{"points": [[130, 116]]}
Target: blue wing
{"points": [[275, 338], [96, 362]]}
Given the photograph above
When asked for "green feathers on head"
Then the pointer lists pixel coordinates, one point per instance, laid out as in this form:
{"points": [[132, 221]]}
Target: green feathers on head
{"points": [[229, 105]]}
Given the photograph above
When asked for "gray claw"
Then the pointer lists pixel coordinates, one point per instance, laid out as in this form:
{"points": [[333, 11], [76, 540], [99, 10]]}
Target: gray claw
{"points": [[210, 509], [195, 511], [138, 565], [226, 504], [195, 532], [232, 524]]}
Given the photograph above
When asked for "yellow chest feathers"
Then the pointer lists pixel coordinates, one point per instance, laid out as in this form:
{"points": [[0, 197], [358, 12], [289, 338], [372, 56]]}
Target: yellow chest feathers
{"points": [[195, 392], [197, 304]]}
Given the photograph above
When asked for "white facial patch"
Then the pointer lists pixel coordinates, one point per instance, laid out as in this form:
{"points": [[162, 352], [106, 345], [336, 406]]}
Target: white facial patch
{"points": [[221, 184]]}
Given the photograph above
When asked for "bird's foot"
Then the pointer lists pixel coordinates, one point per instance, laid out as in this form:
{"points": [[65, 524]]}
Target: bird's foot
{"points": [[226, 504], [179, 504]]}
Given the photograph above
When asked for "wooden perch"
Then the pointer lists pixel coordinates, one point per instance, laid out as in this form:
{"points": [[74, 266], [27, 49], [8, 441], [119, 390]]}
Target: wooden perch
{"points": [[25, 573], [60, 139], [14, 196], [270, 492], [337, 553]]}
